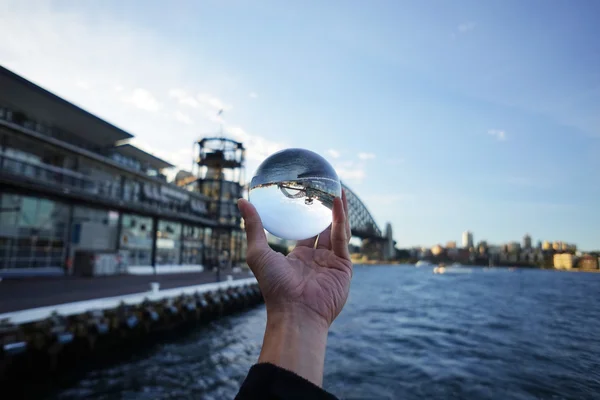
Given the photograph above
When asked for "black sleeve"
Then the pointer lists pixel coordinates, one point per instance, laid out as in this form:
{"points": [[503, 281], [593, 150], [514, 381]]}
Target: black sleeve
{"points": [[269, 382]]}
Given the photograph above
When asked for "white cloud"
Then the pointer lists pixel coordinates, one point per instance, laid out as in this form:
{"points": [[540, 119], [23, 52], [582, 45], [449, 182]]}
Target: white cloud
{"points": [[65, 51], [258, 148], [142, 99], [213, 102], [466, 27], [210, 106], [351, 174], [83, 84], [253, 95], [350, 171], [498, 134], [333, 153], [366, 156], [183, 98], [183, 118]]}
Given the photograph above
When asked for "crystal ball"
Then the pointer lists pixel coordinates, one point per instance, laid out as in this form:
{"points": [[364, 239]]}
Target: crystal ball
{"points": [[293, 192]]}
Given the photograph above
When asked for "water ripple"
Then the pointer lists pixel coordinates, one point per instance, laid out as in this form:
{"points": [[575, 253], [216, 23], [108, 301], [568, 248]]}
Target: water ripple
{"points": [[405, 333]]}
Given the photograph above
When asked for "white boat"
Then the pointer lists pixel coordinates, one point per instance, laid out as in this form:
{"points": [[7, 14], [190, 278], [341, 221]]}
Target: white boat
{"points": [[422, 263]]}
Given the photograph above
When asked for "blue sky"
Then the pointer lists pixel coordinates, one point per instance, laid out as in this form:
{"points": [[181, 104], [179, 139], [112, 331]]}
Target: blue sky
{"points": [[442, 116]]}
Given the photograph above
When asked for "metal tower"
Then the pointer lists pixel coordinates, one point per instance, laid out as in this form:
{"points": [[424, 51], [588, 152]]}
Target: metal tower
{"points": [[219, 168]]}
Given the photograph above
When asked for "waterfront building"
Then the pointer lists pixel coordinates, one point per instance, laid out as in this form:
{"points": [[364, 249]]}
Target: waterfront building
{"points": [[451, 245], [533, 257], [546, 245], [564, 261], [588, 261], [527, 242], [467, 239], [513, 247], [72, 185], [437, 250], [494, 249]]}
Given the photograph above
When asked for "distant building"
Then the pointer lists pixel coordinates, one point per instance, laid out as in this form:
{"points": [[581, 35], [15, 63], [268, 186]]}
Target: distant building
{"points": [[533, 257], [437, 250], [538, 245], [588, 261], [467, 239], [451, 245], [514, 247], [527, 242], [482, 247], [493, 250], [564, 261], [459, 255], [546, 245]]}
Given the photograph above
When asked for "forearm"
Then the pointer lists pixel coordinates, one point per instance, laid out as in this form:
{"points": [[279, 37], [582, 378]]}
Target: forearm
{"points": [[295, 341]]}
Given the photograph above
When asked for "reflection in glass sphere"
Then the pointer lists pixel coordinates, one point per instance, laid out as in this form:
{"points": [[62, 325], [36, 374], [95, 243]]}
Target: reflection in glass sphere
{"points": [[293, 192]]}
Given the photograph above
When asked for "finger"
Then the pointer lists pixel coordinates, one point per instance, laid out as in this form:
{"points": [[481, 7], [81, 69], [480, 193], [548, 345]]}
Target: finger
{"points": [[255, 233], [310, 242], [325, 237], [324, 241], [345, 201], [339, 237]]}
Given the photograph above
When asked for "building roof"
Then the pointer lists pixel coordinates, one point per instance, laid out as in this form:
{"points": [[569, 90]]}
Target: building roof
{"points": [[142, 156], [47, 108]]}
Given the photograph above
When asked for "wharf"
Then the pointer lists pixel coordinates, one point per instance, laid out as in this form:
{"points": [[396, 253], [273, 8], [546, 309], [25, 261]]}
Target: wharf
{"points": [[53, 329], [23, 294]]}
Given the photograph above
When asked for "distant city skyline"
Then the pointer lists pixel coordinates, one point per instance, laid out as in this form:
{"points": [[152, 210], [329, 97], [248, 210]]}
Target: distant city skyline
{"points": [[466, 114], [526, 242]]}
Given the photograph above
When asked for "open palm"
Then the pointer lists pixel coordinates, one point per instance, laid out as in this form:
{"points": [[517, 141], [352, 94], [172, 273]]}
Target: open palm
{"points": [[315, 276]]}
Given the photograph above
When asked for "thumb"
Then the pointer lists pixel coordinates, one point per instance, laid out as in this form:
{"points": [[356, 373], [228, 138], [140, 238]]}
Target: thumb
{"points": [[255, 233]]}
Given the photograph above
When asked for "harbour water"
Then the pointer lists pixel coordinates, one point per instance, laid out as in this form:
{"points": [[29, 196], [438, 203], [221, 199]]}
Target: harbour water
{"points": [[405, 333]]}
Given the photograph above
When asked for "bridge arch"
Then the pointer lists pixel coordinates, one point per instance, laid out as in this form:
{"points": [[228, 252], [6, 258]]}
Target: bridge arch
{"points": [[362, 222]]}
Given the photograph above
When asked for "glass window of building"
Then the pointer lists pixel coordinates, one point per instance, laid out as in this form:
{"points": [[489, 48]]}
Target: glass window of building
{"points": [[193, 245], [136, 240], [237, 251], [131, 190], [210, 253], [32, 232], [94, 229], [168, 243]]}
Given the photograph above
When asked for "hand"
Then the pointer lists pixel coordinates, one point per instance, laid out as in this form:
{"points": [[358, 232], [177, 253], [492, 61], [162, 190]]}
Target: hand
{"points": [[304, 292], [312, 280]]}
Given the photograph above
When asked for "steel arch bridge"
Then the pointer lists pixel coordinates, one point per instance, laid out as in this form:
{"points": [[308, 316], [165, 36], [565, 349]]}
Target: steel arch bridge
{"points": [[361, 221]]}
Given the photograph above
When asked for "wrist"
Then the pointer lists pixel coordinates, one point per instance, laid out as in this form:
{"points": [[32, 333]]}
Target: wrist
{"points": [[291, 314], [296, 339]]}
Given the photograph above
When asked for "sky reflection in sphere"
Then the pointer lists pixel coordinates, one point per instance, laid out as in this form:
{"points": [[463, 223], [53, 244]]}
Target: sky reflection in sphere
{"points": [[293, 192]]}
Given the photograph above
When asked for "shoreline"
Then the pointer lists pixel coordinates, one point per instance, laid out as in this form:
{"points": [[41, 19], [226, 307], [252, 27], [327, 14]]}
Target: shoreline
{"points": [[408, 264]]}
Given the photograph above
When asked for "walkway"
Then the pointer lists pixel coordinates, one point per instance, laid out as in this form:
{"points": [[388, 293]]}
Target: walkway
{"points": [[29, 293]]}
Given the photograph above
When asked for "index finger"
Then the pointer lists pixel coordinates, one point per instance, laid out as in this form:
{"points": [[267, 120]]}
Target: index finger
{"points": [[339, 235]]}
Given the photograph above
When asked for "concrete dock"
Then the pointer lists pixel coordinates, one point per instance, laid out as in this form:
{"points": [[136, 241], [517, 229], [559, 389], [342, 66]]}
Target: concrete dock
{"points": [[55, 328], [23, 294]]}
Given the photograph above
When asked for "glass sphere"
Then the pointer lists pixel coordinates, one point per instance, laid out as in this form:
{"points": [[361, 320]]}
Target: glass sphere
{"points": [[293, 192]]}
